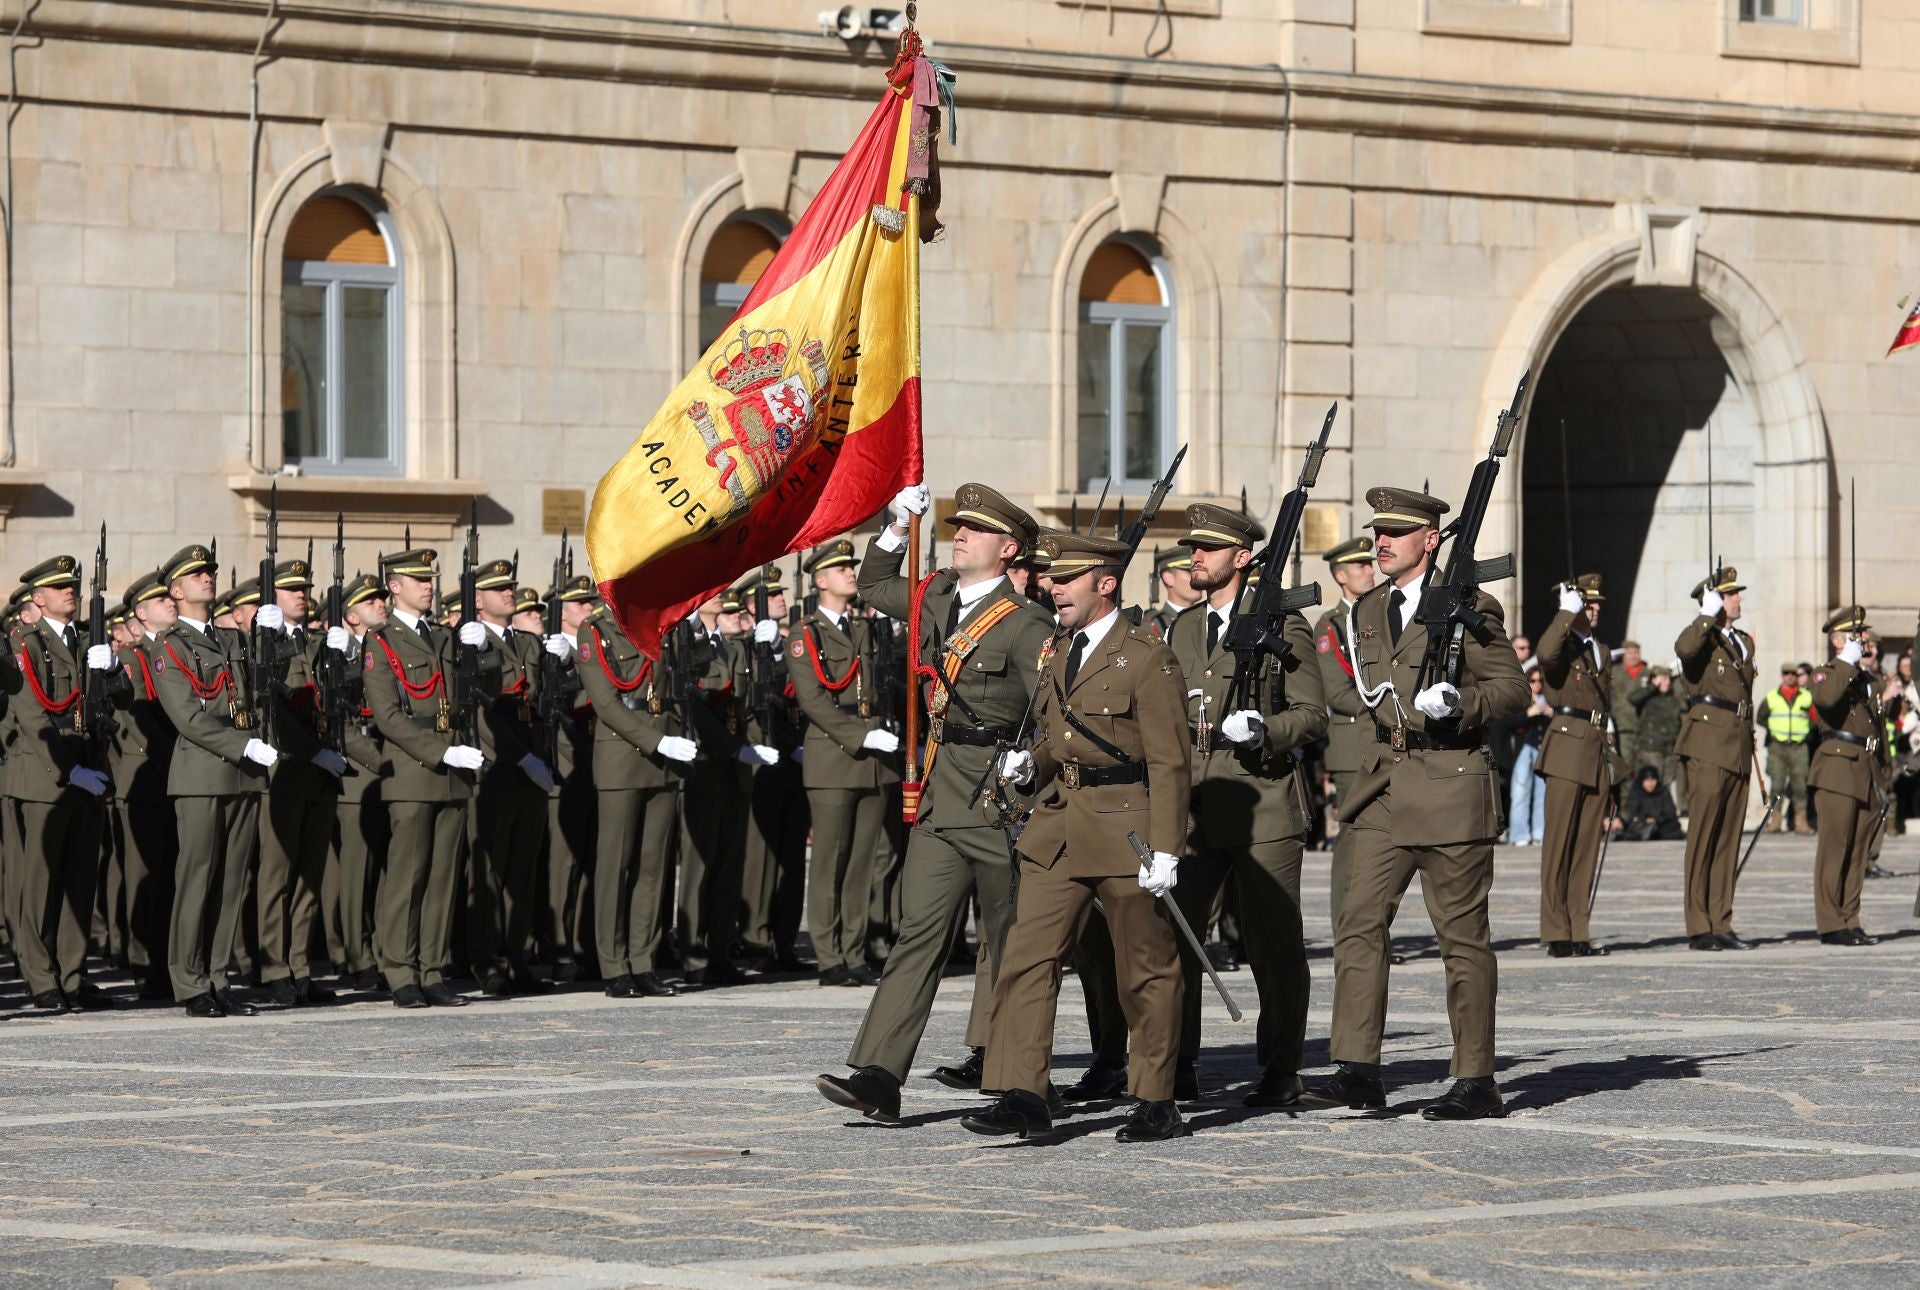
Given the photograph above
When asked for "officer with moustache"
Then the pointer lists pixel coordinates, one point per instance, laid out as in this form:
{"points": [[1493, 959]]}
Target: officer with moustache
{"points": [[1717, 742]]}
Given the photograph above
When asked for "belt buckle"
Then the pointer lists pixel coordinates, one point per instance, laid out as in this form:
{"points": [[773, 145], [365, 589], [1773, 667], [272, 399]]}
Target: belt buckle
{"points": [[1596, 718], [937, 729], [1397, 738], [1070, 774]]}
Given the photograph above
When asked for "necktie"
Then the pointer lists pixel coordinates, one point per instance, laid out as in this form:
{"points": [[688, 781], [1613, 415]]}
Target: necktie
{"points": [[1213, 630], [69, 638], [420, 625], [1074, 656], [1397, 599], [953, 617]]}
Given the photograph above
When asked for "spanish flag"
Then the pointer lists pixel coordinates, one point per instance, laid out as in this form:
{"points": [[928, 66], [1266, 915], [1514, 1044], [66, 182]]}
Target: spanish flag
{"points": [[803, 419], [1909, 334]]}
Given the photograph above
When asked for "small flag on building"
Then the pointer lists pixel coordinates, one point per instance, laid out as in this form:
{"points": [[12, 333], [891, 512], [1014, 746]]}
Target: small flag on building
{"points": [[1909, 334], [803, 418]]}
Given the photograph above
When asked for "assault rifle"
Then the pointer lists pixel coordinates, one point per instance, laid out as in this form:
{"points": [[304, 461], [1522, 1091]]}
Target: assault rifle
{"points": [[760, 659], [333, 664], [1259, 631], [1449, 607], [97, 727], [466, 685], [266, 648], [552, 709]]}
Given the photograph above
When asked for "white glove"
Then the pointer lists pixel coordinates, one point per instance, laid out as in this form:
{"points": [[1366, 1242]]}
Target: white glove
{"points": [[759, 755], [558, 646], [1016, 767], [463, 757], [881, 741], [766, 632], [1164, 874], [1243, 727], [1851, 651], [92, 782], [100, 658], [1571, 602], [677, 748], [536, 770], [331, 762], [473, 633], [261, 754], [271, 618], [1712, 602], [338, 640], [1437, 702], [910, 501]]}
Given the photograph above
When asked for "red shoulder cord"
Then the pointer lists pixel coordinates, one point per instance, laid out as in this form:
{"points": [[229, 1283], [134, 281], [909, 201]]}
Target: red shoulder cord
{"points": [[33, 679], [201, 690], [422, 691], [920, 670], [624, 687], [146, 673], [1333, 639], [820, 669], [518, 687]]}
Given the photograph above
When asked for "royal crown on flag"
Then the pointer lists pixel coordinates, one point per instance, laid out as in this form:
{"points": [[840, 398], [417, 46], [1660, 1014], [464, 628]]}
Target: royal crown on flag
{"points": [[750, 360]]}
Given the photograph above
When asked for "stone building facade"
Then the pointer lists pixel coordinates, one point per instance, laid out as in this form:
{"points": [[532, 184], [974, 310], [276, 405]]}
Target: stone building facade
{"points": [[396, 258]]}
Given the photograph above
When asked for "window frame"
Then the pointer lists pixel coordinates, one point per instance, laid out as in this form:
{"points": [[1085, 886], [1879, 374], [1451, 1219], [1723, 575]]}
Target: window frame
{"points": [[336, 279], [1798, 17], [1118, 318], [715, 295]]}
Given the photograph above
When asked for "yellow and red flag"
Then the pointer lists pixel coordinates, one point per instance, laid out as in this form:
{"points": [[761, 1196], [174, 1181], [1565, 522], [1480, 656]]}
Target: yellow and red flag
{"points": [[1909, 334], [803, 418]]}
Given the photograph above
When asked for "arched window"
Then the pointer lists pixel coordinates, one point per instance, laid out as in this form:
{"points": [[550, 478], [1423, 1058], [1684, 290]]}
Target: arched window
{"points": [[739, 253], [341, 358], [1126, 368]]}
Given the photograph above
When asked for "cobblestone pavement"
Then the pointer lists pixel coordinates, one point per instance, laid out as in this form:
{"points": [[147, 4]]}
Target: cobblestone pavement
{"points": [[1736, 1119]]}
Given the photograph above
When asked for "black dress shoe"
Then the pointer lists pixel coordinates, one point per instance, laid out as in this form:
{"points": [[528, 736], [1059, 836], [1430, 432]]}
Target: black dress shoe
{"points": [[203, 1005], [623, 987], [1186, 1081], [498, 985], [1350, 1086], [870, 1090], [442, 995], [156, 988], [1705, 941], [525, 982], [1276, 1088], [1102, 1082], [837, 975], [51, 1002], [366, 979], [314, 994], [963, 1075], [651, 986], [1836, 938], [284, 993], [1588, 950], [1222, 957], [1152, 1122], [864, 975], [716, 974], [1468, 1099], [231, 1005], [788, 961], [1876, 871], [1056, 1105], [1733, 941], [91, 998], [410, 996], [1017, 1112], [1857, 937], [1559, 949]]}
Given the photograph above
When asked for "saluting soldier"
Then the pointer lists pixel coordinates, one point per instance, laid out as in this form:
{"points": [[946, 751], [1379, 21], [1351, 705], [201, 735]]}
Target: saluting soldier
{"points": [[775, 873], [408, 671], [149, 834], [57, 796], [1351, 565], [642, 750], [1250, 800], [509, 811], [983, 639], [1424, 801], [1851, 777], [1110, 730], [360, 840], [1716, 740], [850, 762], [1172, 573], [1578, 760], [220, 766]]}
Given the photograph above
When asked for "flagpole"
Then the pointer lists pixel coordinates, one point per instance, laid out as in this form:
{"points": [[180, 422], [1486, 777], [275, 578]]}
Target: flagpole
{"points": [[910, 804]]}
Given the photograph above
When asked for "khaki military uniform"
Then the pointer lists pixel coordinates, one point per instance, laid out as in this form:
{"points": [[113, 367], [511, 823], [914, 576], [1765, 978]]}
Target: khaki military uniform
{"points": [[717, 801], [509, 815], [1577, 761], [953, 852], [1129, 696], [200, 677], [1345, 717], [774, 875], [148, 832], [1717, 742], [362, 830], [1850, 779], [1428, 800], [301, 810], [1250, 816], [573, 810], [1623, 686], [834, 666]]}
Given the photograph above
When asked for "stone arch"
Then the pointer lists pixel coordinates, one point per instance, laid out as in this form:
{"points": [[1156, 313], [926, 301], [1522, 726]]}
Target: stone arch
{"points": [[1790, 466], [1196, 329], [749, 188], [358, 157]]}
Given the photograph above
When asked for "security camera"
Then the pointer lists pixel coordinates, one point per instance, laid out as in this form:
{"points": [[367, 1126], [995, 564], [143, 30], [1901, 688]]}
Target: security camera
{"points": [[847, 22]]}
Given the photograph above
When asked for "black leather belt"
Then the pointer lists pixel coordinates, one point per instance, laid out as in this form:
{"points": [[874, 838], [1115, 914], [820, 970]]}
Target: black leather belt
{"points": [[1421, 741], [952, 732], [1847, 737], [1074, 775], [1591, 718], [1741, 710]]}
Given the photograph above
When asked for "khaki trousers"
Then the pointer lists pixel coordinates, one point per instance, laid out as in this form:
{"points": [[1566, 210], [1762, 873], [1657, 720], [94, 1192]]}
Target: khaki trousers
{"points": [[774, 878], [217, 840], [942, 869], [629, 876], [360, 855], [151, 841], [1268, 874], [59, 862], [713, 840], [509, 825], [1840, 865], [298, 829], [1052, 910], [840, 872], [413, 915], [1100, 986], [1716, 811], [1576, 815], [1455, 881]]}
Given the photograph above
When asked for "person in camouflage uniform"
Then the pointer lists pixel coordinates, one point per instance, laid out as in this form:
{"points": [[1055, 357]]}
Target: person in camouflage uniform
{"points": [[1661, 709]]}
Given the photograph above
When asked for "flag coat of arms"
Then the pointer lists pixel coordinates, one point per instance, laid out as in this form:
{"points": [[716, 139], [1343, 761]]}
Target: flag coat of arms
{"points": [[803, 418], [1909, 334]]}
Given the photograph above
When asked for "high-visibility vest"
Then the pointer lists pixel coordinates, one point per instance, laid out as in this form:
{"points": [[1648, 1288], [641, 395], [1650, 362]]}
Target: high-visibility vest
{"points": [[1789, 723]]}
